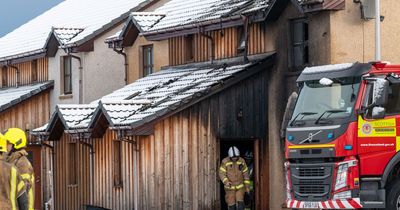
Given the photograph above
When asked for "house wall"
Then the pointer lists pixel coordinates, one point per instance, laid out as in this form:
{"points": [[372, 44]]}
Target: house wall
{"points": [[102, 72], [25, 69], [103, 69], [161, 57], [353, 39]]}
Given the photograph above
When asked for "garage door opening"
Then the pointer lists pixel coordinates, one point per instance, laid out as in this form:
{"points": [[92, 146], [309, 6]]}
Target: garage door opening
{"points": [[248, 151]]}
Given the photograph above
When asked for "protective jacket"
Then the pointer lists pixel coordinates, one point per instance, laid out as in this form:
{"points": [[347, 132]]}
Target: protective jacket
{"points": [[235, 172], [12, 188], [20, 161]]}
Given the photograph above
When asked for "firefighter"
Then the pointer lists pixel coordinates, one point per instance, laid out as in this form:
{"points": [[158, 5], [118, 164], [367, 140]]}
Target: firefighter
{"points": [[16, 142], [12, 189], [234, 174]]}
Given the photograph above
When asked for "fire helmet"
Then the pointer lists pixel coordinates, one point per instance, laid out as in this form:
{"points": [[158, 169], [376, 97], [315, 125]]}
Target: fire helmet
{"points": [[3, 143], [233, 152], [16, 137]]}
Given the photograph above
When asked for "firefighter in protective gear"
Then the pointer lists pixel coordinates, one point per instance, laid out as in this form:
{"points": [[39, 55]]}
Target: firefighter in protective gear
{"points": [[234, 174], [16, 142], [12, 189]]}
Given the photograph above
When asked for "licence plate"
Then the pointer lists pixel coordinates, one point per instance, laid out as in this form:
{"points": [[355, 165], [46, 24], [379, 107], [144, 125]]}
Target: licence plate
{"points": [[311, 205]]}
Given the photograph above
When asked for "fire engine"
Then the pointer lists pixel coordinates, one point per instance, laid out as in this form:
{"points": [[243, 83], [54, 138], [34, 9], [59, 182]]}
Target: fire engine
{"points": [[342, 142]]}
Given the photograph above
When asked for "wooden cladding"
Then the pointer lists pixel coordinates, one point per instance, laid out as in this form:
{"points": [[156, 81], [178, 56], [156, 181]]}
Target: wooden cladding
{"points": [[27, 115], [197, 47], [30, 72]]}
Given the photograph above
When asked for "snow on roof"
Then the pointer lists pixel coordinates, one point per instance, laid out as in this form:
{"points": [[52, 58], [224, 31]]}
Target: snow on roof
{"points": [[186, 12], [146, 20], [91, 15], [326, 68], [76, 116], [14, 95], [154, 95], [64, 35]]}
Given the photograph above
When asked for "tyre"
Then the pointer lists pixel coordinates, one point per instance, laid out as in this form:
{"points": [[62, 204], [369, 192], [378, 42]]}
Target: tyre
{"points": [[393, 196]]}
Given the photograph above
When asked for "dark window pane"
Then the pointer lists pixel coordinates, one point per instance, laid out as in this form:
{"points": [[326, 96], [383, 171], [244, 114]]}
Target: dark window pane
{"points": [[147, 60], [299, 42], [393, 105], [72, 163], [67, 71]]}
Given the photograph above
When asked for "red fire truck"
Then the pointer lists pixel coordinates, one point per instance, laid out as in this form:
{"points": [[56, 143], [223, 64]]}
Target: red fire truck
{"points": [[343, 138]]}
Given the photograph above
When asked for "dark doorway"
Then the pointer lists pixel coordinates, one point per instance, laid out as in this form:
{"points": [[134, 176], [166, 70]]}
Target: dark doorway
{"points": [[34, 156], [248, 149]]}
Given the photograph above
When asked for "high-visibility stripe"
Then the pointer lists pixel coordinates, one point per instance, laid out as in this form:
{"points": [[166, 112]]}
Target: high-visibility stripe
{"points": [[224, 179], [239, 186], [222, 169], [13, 189], [311, 146], [30, 206], [238, 163], [26, 176], [247, 182], [245, 169], [228, 163], [21, 185]]}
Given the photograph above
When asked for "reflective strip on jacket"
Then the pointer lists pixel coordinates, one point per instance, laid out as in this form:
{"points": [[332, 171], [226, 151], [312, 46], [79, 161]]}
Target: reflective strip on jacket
{"points": [[235, 172]]}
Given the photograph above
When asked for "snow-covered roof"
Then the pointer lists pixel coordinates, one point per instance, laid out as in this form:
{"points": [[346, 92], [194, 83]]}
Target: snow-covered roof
{"points": [[14, 95], [93, 16], [156, 95], [177, 13], [64, 35]]}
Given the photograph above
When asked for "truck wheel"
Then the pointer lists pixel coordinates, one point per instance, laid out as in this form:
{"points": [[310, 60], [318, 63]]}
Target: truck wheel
{"points": [[393, 198]]}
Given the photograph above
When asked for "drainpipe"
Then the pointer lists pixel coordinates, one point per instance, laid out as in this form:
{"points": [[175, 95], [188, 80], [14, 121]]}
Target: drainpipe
{"points": [[18, 73], [121, 52], [53, 171], [91, 172], [201, 32], [80, 75], [246, 34], [377, 31]]}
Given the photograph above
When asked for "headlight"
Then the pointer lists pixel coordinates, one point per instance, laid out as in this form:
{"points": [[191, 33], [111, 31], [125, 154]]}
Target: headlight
{"points": [[341, 178], [342, 195]]}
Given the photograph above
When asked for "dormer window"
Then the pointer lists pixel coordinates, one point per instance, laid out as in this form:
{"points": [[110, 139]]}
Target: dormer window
{"points": [[66, 75]]}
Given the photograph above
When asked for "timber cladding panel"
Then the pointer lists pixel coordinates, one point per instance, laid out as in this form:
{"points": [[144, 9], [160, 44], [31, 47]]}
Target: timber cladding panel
{"points": [[225, 40], [30, 72], [27, 115]]}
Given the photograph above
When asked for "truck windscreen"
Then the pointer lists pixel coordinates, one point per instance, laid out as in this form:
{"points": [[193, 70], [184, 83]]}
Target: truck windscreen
{"points": [[335, 100]]}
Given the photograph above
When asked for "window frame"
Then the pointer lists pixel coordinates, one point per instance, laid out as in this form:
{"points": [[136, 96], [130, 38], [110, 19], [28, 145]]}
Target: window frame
{"points": [[117, 163], [4, 77], [34, 71], [145, 65], [72, 160], [64, 76], [304, 44]]}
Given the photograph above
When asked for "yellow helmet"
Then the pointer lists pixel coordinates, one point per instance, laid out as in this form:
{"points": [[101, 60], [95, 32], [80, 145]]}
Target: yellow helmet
{"points": [[3, 143], [16, 137]]}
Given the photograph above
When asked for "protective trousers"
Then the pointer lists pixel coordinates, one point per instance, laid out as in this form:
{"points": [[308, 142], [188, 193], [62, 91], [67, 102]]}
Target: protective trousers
{"points": [[234, 196]]}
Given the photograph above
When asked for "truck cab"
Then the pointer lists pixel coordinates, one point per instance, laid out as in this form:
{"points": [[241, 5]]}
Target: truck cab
{"points": [[342, 141]]}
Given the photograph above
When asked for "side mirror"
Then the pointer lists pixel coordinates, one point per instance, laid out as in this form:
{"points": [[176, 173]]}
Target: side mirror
{"points": [[378, 112], [288, 113], [380, 92]]}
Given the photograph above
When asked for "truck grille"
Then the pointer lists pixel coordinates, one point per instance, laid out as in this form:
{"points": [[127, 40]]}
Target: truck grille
{"points": [[312, 182], [307, 172]]}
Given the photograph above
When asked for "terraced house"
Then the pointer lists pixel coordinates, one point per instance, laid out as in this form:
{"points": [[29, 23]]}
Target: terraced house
{"points": [[202, 76], [52, 60]]}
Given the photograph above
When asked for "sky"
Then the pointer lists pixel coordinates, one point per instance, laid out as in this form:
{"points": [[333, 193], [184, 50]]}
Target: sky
{"points": [[15, 13]]}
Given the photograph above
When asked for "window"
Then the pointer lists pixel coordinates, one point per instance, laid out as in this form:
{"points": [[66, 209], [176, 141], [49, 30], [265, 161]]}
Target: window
{"points": [[148, 61], [66, 72], [34, 71], [4, 76], [241, 40], [393, 104], [299, 42], [72, 164], [189, 48], [117, 163]]}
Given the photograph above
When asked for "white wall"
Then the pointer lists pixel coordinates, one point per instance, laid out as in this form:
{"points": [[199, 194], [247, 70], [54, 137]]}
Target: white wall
{"points": [[102, 73]]}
